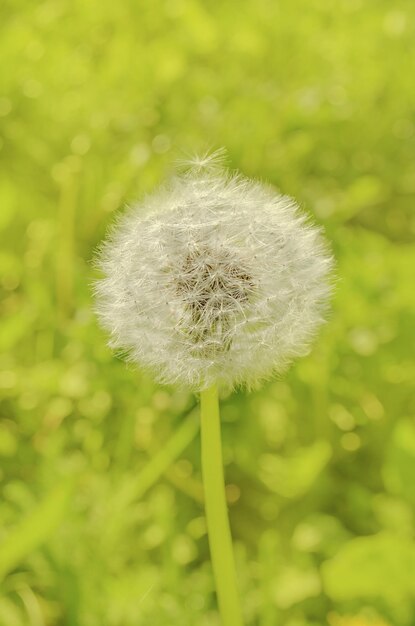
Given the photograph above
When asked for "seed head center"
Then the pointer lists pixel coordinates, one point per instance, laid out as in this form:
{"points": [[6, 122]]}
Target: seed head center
{"points": [[214, 287]]}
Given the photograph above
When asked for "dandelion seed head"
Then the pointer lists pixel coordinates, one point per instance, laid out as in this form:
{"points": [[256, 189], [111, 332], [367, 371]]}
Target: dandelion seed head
{"points": [[214, 278]]}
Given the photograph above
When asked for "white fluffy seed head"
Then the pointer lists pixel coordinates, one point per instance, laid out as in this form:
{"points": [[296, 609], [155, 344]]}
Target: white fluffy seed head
{"points": [[214, 278]]}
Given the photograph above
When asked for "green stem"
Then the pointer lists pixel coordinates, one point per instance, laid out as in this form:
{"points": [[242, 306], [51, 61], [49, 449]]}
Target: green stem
{"points": [[220, 540]]}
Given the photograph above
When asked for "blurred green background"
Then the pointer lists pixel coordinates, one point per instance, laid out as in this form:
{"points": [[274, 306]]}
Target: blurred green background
{"points": [[101, 515]]}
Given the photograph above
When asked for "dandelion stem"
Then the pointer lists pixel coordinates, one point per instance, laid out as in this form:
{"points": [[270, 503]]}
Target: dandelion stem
{"points": [[220, 539]]}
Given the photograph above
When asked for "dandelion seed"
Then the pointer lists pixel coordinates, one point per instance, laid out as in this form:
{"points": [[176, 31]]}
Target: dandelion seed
{"points": [[214, 278]]}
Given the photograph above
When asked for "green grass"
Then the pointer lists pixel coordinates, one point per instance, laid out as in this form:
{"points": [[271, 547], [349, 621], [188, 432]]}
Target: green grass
{"points": [[101, 514]]}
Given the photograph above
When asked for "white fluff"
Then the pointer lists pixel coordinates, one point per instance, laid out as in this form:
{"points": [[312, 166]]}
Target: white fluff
{"points": [[213, 279]]}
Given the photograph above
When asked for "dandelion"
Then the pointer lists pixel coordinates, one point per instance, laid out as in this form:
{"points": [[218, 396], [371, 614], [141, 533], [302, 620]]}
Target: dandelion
{"points": [[214, 280]]}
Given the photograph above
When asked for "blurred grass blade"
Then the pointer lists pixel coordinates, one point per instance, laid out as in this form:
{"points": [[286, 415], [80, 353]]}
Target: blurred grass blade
{"points": [[134, 487], [35, 528], [161, 461]]}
